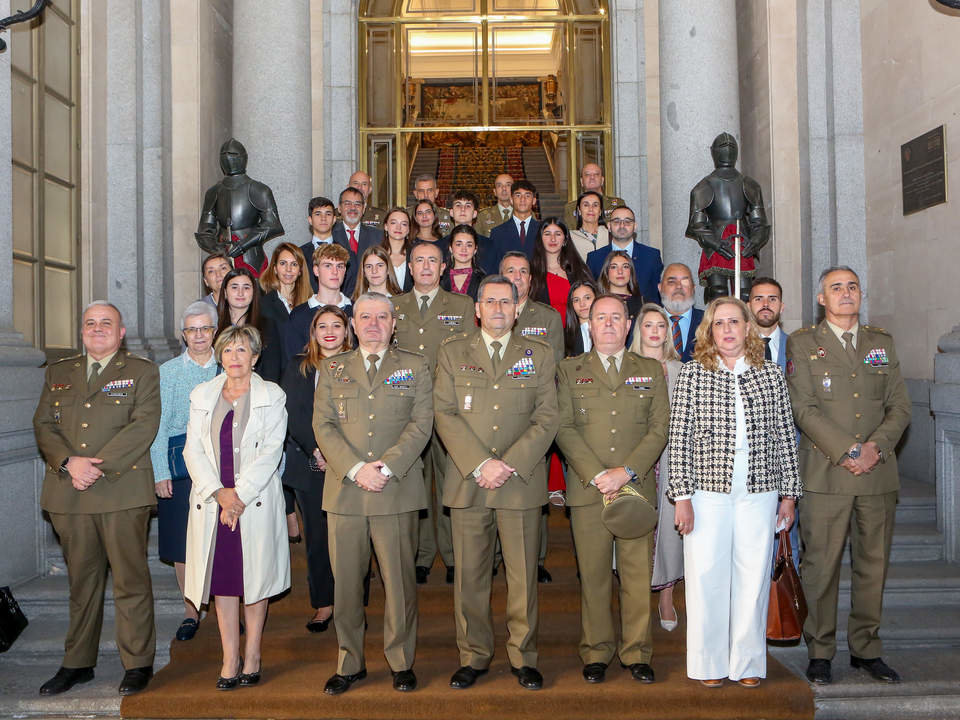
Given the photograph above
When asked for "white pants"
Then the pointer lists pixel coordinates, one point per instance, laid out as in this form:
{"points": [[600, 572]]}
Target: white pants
{"points": [[727, 580]]}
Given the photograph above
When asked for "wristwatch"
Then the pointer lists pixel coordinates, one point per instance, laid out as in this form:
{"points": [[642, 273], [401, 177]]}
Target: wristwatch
{"points": [[630, 472], [855, 452], [63, 465]]}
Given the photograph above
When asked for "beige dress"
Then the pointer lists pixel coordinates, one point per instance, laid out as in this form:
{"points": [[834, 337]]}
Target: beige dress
{"points": [[668, 543]]}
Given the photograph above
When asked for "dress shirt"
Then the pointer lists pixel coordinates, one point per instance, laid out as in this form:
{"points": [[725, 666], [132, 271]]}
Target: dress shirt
{"points": [[104, 362], [352, 472], [431, 296], [839, 331], [313, 303], [317, 242], [400, 273], [585, 334], [774, 342], [618, 356], [505, 209], [616, 248], [525, 221], [684, 323]]}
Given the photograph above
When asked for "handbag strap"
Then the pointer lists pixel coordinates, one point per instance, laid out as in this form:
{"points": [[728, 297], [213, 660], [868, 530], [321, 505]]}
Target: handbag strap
{"points": [[784, 548]]}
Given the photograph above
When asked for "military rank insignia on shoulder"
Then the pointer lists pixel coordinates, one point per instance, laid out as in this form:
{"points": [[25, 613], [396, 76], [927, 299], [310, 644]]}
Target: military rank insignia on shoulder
{"points": [[874, 328], [455, 336]]}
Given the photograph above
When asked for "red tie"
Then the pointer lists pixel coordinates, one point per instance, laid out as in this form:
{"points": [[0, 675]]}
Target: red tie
{"points": [[353, 241], [677, 337], [523, 232]]}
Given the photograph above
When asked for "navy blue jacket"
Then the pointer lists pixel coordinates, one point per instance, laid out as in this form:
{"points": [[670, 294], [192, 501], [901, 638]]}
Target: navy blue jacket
{"points": [[646, 264]]}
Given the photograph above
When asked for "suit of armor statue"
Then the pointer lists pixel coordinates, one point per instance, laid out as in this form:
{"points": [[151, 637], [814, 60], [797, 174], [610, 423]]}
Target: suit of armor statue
{"points": [[239, 214], [717, 202]]}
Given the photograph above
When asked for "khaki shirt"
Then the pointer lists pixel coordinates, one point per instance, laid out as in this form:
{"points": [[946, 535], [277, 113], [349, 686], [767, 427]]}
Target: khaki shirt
{"points": [[389, 421], [115, 419], [542, 321], [610, 203], [448, 315], [837, 403], [510, 415]]}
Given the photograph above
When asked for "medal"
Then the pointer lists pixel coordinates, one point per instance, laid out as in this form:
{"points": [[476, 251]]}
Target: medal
{"points": [[467, 402]]}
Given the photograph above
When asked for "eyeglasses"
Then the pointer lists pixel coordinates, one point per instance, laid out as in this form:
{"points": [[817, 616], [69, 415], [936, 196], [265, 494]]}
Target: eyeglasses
{"points": [[352, 203], [202, 330], [622, 221]]}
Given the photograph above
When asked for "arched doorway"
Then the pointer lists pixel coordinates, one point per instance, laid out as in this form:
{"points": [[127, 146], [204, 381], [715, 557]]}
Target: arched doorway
{"points": [[466, 89]]}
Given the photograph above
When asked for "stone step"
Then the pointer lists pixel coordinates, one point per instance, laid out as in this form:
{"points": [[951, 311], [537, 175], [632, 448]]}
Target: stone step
{"points": [[922, 626], [910, 583], [912, 542], [917, 503]]}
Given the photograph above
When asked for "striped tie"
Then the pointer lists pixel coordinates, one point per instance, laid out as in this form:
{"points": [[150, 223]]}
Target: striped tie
{"points": [[677, 336]]}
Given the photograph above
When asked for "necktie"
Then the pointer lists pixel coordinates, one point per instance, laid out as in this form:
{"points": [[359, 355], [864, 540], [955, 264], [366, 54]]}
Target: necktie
{"points": [[353, 241], [523, 232], [677, 337], [424, 306], [766, 349], [372, 370], [612, 371], [848, 346], [506, 213], [94, 373], [496, 345]]}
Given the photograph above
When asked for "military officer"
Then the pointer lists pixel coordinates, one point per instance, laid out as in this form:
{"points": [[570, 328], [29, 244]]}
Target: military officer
{"points": [[426, 316], [373, 413], [497, 214], [851, 405], [591, 178], [495, 406], [372, 216], [97, 417], [425, 188], [614, 414]]}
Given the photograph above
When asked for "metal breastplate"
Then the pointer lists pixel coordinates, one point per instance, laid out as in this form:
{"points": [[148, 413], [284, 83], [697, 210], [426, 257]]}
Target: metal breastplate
{"points": [[234, 207], [729, 202]]}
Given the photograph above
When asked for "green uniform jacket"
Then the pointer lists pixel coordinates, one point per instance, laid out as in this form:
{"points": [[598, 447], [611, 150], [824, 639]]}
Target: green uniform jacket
{"points": [[511, 416], [610, 203], [604, 425], [443, 217], [542, 321], [390, 420], [373, 217], [837, 404], [449, 314], [115, 420], [488, 219]]}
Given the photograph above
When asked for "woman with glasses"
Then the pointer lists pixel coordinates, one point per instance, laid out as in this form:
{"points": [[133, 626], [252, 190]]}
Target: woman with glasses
{"points": [[178, 378]]}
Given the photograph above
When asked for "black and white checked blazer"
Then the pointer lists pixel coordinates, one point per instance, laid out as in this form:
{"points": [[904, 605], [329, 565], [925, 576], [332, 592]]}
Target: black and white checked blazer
{"points": [[703, 428]]}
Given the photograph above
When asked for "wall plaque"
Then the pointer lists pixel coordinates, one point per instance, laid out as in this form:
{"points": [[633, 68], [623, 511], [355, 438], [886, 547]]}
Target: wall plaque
{"points": [[923, 171]]}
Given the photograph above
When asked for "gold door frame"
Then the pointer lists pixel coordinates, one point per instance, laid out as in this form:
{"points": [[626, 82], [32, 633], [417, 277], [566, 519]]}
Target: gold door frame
{"points": [[482, 21]]}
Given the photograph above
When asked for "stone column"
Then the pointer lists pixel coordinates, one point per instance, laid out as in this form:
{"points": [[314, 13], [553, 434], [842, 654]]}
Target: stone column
{"points": [[945, 406], [272, 102], [699, 99]]}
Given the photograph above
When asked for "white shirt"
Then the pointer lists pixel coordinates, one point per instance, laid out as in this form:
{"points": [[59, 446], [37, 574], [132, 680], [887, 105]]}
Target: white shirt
{"points": [[774, 342], [616, 248], [317, 242], [525, 221], [400, 273], [314, 303], [585, 334]]}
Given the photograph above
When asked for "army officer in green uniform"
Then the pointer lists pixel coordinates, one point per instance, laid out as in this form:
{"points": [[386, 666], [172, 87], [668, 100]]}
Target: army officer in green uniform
{"points": [[614, 414], [372, 415], [851, 405], [495, 406], [97, 417]]}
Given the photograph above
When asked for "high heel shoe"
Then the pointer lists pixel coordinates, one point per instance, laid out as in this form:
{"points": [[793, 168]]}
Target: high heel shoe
{"points": [[669, 625], [249, 679], [319, 626], [230, 683]]}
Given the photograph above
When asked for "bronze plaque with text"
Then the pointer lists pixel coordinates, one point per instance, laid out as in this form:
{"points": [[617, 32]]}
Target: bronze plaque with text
{"points": [[923, 170]]}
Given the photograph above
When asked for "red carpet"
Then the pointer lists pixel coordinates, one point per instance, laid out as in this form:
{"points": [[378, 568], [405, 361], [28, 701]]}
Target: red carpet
{"points": [[296, 665]]}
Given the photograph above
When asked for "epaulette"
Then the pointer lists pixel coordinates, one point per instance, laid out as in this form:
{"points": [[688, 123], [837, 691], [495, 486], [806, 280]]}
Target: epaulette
{"points": [[455, 336], [874, 328], [409, 352], [68, 359], [802, 330], [137, 357]]}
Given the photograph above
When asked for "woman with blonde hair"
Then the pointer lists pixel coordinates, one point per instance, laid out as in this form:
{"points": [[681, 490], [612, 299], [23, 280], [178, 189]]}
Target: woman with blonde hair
{"points": [[376, 274], [732, 456], [652, 339]]}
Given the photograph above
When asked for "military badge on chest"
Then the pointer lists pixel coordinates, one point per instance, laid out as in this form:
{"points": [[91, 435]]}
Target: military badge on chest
{"points": [[522, 368], [400, 379], [877, 357]]}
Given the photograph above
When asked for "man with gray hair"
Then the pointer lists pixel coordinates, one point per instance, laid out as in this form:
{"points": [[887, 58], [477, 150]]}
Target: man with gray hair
{"points": [[851, 405], [372, 416], [678, 291], [97, 416], [425, 188]]}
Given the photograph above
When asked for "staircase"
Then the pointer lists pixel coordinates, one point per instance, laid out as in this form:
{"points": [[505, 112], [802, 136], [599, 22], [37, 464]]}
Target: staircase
{"points": [[427, 162], [537, 171]]}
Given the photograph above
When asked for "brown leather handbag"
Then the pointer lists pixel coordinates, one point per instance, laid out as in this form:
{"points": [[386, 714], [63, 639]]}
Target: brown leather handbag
{"points": [[788, 608]]}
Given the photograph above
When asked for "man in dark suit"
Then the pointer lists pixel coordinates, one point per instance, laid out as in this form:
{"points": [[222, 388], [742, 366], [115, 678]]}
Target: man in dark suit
{"points": [[647, 263], [321, 216], [677, 290], [519, 232], [98, 415], [350, 232]]}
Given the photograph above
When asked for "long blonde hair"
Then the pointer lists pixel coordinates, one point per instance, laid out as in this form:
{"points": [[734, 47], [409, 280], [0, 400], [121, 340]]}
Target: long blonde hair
{"points": [[706, 352], [669, 351]]}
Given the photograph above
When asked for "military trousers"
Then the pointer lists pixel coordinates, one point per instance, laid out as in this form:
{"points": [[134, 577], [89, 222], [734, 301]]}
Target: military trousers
{"points": [[827, 520], [474, 536], [394, 540], [91, 541], [595, 548]]}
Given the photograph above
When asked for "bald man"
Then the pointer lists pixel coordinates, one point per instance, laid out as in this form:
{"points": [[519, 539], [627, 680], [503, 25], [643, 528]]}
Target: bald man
{"points": [[591, 178], [372, 216], [499, 212]]}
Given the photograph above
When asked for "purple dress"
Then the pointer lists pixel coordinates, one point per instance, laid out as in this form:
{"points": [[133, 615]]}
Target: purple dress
{"points": [[226, 577]]}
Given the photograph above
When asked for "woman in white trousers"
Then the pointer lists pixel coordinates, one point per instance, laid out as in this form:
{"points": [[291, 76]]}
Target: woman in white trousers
{"points": [[732, 457]]}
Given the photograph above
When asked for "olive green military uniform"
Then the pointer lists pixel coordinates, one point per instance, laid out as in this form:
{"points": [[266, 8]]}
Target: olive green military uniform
{"points": [[838, 402], [607, 424], [511, 415], [356, 421], [115, 418], [610, 203], [490, 217], [374, 217], [443, 217], [449, 313]]}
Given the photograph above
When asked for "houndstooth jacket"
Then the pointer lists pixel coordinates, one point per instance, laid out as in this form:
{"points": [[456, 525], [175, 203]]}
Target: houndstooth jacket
{"points": [[703, 431]]}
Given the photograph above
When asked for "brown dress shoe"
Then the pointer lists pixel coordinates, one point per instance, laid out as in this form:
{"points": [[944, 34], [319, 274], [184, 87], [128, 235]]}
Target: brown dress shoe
{"points": [[712, 683], [750, 682]]}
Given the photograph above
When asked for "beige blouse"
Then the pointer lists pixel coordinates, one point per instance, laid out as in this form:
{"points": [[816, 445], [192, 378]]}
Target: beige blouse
{"points": [[241, 413]]}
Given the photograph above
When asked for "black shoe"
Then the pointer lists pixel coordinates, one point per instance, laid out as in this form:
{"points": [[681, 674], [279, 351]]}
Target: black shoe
{"points": [[818, 671], [641, 672], [228, 683], [65, 679], [594, 672], [187, 629], [543, 575], [341, 683], [877, 668], [529, 678], [450, 574], [248, 679], [135, 680], [422, 573], [319, 626], [404, 681], [494, 573], [465, 677]]}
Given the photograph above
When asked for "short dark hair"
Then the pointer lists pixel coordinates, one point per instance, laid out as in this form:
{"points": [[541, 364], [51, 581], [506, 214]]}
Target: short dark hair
{"points": [[767, 281], [465, 195], [319, 202], [513, 254], [498, 280], [610, 296], [523, 184], [425, 243], [350, 190]]}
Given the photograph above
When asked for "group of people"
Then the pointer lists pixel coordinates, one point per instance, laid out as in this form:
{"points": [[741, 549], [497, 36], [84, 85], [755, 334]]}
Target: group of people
{"points": [[422, 382]]}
